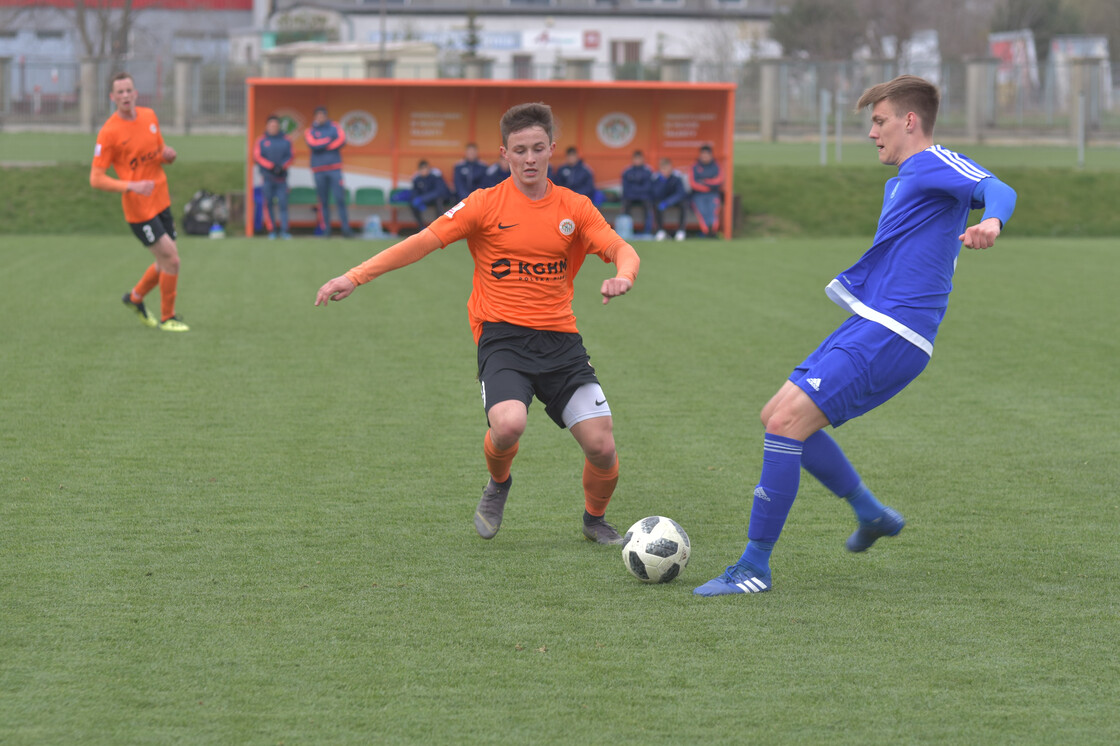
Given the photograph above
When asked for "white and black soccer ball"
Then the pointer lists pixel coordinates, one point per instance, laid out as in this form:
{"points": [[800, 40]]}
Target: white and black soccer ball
{"points": [[655, 549]]}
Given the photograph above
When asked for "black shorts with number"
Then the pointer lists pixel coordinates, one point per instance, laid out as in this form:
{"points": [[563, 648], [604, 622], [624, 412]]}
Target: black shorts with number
{"points": [[515, 362], [153, 230]]}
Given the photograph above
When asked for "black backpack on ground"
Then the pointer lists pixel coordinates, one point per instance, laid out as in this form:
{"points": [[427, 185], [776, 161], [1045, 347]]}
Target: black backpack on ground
{"points": [[203, 211]]}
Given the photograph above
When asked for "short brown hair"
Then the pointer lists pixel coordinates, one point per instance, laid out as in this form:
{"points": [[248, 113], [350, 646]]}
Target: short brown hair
{"points": [[524, 116], [119, 76], [906, 93]]}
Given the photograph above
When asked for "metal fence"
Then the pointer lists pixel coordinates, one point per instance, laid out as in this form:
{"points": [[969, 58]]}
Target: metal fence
{"points": [[1016, 103]]}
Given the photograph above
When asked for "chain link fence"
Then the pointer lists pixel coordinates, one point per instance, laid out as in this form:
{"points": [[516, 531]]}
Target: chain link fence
{"points": [[190, 94]]}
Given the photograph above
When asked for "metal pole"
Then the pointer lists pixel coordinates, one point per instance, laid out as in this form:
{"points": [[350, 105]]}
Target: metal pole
{"points": [[381, 43], [839, 126], [824, 126], [1081, 129]]}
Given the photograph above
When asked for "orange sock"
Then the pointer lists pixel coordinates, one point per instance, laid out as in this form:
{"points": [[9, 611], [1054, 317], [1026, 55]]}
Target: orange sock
{"points": [[498, 462], [167, 290], [598, 486], [147, 282]]}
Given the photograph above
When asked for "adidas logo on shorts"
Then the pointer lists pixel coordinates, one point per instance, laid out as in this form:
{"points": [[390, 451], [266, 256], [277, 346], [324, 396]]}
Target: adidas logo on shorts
{"points": [[815, 383]]}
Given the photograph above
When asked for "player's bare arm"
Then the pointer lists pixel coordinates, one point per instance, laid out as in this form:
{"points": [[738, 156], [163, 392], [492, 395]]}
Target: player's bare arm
{"points": [[982, 235], [100, 179], [412, 249]]}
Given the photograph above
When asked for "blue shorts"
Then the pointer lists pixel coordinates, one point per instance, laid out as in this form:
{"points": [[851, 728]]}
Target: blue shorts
{"points": [[858, 367]]}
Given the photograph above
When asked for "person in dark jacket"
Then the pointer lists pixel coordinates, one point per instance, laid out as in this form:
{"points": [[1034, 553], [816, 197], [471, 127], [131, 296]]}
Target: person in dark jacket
{"points": [[496, 174], [273, 155], [668, 192], [707, 191], [637, 190], [428, 190], [470, 173], [575, 175], [326, 140]]}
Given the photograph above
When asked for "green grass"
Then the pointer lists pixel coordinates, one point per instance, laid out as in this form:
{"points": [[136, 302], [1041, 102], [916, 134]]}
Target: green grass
{"points": [[59, 148], [260, 531]]}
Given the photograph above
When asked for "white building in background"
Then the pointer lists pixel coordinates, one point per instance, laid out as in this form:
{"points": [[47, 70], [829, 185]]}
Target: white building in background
{"points": [[525, 39]]}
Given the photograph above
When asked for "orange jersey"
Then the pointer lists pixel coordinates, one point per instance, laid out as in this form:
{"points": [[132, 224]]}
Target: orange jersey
{"points": [[526, 253], [135, 151]]}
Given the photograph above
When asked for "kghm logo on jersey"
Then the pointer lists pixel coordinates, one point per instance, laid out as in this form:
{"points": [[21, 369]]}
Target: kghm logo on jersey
{"points": [[500, 268], [451, 213], [530, 271], [567, 226]]}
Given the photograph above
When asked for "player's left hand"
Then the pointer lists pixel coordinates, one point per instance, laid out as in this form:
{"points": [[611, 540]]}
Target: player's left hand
{"points": [[335, 290], [169, 154], [982, 235], [614, 286]]}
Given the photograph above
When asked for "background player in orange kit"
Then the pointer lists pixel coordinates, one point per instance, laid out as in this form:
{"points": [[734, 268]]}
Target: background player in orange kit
{"points": [[528, 238], [130, 141]]}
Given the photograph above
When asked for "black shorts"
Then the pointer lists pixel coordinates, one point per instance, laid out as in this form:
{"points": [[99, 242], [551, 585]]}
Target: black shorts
{"points": [[515, 362], [153, 230]]}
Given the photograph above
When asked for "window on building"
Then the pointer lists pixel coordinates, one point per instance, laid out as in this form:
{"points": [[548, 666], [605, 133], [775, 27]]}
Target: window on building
{"points": [[50, 35], [523, 66], [625, 52], [626, 59], [529, 3]]}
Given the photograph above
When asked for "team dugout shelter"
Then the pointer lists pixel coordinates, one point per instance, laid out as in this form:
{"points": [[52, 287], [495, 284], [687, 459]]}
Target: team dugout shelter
{"points": [[392, 124]]}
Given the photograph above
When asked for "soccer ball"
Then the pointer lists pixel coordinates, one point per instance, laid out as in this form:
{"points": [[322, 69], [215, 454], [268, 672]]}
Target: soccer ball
{"points": [[655, 549]]}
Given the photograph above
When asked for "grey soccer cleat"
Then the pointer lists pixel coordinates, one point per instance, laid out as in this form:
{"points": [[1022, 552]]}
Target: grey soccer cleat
{"points": [[601, 532], [488, 516]]}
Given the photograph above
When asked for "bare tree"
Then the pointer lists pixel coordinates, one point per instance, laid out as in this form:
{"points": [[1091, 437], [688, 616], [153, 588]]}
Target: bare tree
{"points": [[104, 27], [889, 24], [819, 28]]}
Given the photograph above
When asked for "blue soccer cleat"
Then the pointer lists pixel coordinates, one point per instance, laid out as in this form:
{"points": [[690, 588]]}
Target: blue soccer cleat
{"points": [[736, 579], [888, 524]]}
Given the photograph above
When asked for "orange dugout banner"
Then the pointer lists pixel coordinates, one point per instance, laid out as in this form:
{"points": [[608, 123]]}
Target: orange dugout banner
{"points": [[391, 124]]}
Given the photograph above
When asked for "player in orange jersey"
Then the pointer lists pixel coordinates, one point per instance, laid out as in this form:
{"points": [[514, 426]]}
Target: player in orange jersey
{"points": [[528, 238], [130, 141]]}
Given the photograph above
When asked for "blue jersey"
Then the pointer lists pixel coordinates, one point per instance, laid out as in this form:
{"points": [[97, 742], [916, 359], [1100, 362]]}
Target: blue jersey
{"points": [[494, 176], [430, 188], [577, 177], [637, 183], [469, 175], [903, 280], [667, 190]]}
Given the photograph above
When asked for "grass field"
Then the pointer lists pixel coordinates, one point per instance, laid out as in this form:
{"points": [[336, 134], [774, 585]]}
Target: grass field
{"points": [[260, 531], [76, 148]]}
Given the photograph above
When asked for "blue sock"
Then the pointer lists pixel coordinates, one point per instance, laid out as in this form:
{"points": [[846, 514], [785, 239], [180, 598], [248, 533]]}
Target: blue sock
{"points": [[757, 555], [773, 497], [824, 459], [865, 504]]}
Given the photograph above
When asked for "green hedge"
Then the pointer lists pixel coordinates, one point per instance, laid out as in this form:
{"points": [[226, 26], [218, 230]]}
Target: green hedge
{"points": [[776, 200]]}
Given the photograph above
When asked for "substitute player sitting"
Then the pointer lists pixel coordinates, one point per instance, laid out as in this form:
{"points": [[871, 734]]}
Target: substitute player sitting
{"points": [[896, 294], [528, 238], [130, 141]]}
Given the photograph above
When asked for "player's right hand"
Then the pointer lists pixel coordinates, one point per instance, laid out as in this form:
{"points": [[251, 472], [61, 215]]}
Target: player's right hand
{"points": [[336, 289], [144, 187]]}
